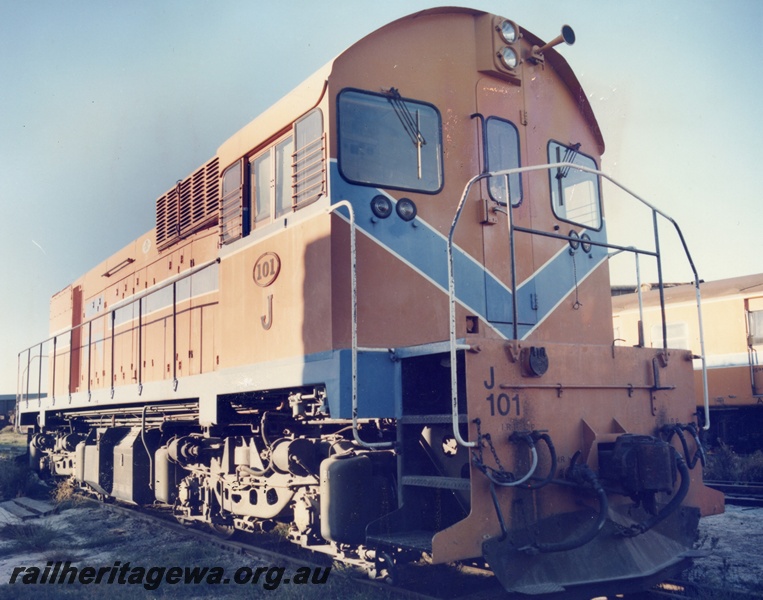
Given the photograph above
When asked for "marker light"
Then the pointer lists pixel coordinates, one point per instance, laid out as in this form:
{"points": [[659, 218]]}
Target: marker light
{"points": [[406, 209], [508, 57], [508, 31], [574, 239], [585, 243], [381, 206]]}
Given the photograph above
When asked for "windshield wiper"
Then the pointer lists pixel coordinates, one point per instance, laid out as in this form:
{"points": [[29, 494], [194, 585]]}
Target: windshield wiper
{"points": [[410, 123], [569, 157]]}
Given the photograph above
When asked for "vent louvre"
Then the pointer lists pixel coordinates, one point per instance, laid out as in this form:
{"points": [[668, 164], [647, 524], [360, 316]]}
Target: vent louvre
{"points": [[166, 217], [184, 206], [161, 220], [212, 190], [198, 193], [191, 205]]}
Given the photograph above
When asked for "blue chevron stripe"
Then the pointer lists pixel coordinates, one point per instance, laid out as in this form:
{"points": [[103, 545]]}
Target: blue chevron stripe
{"points": [[423, 248]]}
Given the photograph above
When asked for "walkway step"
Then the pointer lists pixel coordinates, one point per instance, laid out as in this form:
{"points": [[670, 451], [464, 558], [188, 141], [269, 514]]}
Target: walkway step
{"points": [[449, 483]]}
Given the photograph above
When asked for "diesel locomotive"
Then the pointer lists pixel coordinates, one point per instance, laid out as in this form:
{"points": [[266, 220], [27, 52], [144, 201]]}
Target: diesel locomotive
{"points": [[379, 318]]}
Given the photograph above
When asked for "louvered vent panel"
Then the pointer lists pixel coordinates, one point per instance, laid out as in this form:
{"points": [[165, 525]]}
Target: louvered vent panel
{"points": [[212, 189], [166, 217], [186, 215], [192, 205], [173, 218], [199, 206], [161, 220]]}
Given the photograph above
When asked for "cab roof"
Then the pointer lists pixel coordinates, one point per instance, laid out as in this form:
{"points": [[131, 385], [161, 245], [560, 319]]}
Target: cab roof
{"points": [[310, 92]]}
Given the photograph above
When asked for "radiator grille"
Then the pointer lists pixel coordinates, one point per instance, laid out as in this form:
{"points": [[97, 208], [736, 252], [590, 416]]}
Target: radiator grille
{"points": [[191, 205]]}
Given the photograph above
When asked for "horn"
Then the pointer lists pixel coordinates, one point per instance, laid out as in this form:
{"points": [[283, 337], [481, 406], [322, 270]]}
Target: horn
{"points": [[567, 36]]}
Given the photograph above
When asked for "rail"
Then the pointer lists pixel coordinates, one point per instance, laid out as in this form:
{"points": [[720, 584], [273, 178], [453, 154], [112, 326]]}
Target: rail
{"points": [[739, 493], [512, 229]]}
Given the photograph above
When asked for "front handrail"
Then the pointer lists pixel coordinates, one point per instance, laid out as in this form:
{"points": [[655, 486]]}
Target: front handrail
{"points": [[354, 304], [453, 342]]}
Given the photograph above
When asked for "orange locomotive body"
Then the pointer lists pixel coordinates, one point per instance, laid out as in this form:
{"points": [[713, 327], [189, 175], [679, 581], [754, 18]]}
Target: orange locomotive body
{"points": [[381, 314]]}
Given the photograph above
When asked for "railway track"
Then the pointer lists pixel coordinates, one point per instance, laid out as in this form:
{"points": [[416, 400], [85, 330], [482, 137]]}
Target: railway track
{"points": [[412, 581], [740, 494], [686, 590]]}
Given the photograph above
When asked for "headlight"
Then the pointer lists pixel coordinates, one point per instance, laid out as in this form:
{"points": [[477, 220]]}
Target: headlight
{"points": [[508, 31], [381, 207], [406, 209], [574, 239], [508, 57]]}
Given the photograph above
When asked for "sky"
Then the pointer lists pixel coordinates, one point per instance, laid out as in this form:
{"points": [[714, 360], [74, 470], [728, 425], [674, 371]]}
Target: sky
{"points": [[105, 104]]}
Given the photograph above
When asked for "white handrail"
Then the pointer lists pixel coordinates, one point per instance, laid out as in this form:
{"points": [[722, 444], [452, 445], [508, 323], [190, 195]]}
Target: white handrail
{"points": [[354, 303], [451, 278]]}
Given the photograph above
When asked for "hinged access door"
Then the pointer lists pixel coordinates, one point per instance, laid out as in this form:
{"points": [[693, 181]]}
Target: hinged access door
{"points": [[501, 106]]}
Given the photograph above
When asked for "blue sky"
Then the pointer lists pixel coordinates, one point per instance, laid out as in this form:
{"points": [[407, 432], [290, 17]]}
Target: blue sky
{"points": [[105, 104]]}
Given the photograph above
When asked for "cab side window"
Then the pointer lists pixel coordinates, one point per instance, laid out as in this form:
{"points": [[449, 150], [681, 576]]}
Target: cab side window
{"points": [[275, 180], [261, 186], [232, 216], [270, 178], [282, 171], [309, 167]]}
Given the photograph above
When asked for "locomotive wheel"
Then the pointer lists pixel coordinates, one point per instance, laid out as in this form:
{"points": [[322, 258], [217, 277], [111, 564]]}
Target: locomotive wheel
{"points": [[183, 521], [384, 569], [222, 530], [181, 518]]}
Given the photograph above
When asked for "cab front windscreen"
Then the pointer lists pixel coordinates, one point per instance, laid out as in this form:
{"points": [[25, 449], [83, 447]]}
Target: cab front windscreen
{"points": [[388, 141]]}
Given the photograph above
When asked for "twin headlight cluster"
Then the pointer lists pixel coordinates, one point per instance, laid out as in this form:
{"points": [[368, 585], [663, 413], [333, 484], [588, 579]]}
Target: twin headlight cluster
{"points": [[381, 206], [579, 241], [509, 33]]}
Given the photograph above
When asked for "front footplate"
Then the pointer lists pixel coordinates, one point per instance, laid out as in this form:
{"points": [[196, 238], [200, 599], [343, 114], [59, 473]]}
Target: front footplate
{"points": [[609, 564]]}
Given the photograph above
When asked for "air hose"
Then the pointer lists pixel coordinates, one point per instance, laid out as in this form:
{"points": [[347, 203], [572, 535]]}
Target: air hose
{"points": [[583, 537], [678, 430]]}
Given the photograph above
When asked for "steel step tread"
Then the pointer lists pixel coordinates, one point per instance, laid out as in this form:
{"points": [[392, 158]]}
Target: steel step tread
{"points": [[450, 483], [430, 419], [417, 540]]}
